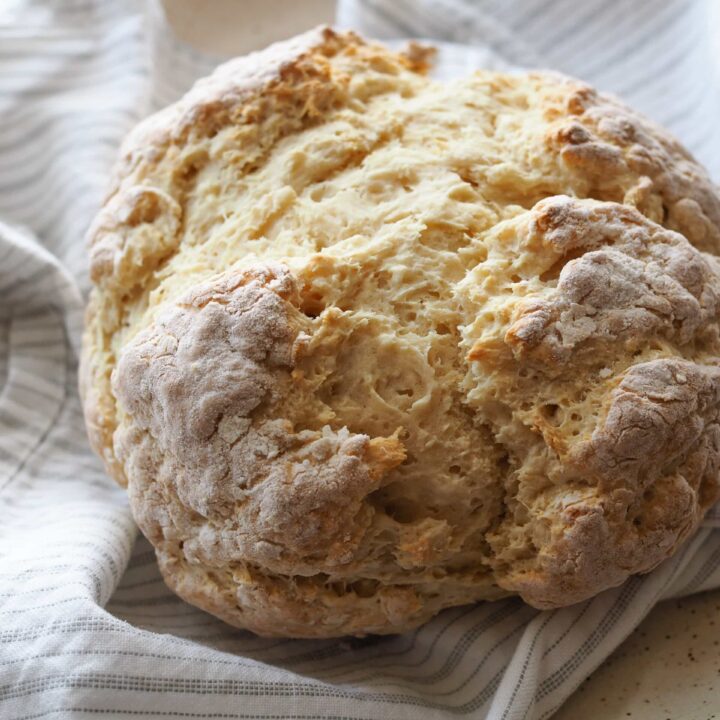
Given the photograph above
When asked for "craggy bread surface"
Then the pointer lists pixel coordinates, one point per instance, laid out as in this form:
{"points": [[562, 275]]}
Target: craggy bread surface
{"points": [[363, 345]]}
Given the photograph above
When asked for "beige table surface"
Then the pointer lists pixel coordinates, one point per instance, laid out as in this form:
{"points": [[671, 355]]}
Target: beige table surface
{"points": [[669, 668]]}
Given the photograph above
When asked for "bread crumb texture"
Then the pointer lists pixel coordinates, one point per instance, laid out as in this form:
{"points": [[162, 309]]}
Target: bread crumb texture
{"points": [[363, 345]]}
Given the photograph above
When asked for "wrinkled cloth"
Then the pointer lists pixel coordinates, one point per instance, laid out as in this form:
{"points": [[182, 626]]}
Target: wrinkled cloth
{"points": [[88, 628]]}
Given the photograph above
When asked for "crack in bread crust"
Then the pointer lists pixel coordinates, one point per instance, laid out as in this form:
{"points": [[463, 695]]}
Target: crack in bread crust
{"points": [[363, 345]]}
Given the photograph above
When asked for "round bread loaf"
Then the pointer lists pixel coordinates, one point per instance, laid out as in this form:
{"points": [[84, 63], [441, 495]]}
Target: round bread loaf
{"points": [[363, 345]]}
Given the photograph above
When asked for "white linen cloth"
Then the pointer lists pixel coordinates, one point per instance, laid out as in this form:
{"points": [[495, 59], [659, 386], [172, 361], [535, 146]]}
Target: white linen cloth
{"points": [[87, 628]]}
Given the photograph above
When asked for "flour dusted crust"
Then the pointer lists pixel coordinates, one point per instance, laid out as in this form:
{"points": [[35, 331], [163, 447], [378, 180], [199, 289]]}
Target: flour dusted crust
{"points": [[363, 345]]}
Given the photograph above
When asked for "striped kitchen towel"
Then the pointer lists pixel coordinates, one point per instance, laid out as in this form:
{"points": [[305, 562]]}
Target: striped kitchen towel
{"points": [[87, 627]]}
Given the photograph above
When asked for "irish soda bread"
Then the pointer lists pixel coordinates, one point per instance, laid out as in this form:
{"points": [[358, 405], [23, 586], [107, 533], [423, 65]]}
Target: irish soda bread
{"points": [[363, 345]]}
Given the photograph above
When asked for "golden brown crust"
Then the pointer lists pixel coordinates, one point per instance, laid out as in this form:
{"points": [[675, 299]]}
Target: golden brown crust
{"points": [[140, 224], [364, 346], [595, 360], [625, 157]]}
